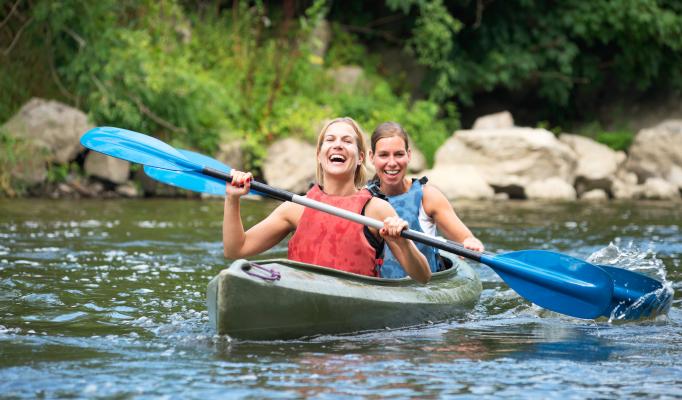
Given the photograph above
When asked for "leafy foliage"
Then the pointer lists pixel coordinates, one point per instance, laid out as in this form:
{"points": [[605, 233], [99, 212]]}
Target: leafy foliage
{"points": [[567, 53], [198, 78]]}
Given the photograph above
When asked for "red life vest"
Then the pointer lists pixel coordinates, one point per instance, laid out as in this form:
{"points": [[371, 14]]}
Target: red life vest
{"points": [[330, 241]]}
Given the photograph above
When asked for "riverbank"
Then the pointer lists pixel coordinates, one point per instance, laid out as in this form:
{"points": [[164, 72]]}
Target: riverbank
{"points": [[493, 160]]}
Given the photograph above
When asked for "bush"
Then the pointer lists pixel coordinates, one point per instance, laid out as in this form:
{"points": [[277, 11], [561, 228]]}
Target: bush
{"points": [[195, 78], [617, 140]]}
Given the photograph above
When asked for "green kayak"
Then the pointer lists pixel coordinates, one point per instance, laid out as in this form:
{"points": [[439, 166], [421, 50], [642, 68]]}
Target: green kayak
{"points": [[282, 299]]}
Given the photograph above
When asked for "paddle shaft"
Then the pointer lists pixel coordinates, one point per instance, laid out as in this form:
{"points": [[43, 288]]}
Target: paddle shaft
{"points": [[284, 195]]}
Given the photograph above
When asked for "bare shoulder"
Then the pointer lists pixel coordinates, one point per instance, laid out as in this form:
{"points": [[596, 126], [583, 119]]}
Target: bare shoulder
{"points": [[433, 199], [379, 209]]}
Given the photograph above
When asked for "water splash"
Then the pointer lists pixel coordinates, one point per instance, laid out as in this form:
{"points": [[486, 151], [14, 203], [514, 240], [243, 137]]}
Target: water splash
{"points": [[632, 258], [653, 303]]}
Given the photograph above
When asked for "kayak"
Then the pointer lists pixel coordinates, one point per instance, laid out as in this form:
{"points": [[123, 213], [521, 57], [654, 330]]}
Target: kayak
{"points": [[283, 299]]}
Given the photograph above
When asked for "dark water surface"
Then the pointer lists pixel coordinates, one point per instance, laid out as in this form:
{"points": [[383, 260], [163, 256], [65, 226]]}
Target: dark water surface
{"points": [[107, 299]]}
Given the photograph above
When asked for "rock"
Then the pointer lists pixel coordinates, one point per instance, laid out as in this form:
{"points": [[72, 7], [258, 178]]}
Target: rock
{"points": [[551, 189], [418, 161], [597, 163], [595, 195], [52, 126], [459, 182], [232, 154], [626, 190], [346, 76], [65, 189], [290, 164], [85, 189], [151, 187], [627, 177], [108, 168], [659, 189], [674, 176], [498, 120], [657, 152], [510, 159], [501, 196], [127, 190], [29, 166]]}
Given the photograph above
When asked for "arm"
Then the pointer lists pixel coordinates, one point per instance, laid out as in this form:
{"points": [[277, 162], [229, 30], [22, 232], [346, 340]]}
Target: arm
{"points": [[407, 254], [437, 206], [262, 236]]}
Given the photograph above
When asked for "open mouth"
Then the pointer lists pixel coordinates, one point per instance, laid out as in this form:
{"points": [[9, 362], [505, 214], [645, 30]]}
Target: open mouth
{"points": [[337, 159], [391, 172]]}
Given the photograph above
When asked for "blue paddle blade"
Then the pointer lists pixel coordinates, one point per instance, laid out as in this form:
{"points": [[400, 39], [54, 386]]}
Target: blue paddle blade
{"points": [[136, 147], [192, 180], [555, 281], [636, 295]]}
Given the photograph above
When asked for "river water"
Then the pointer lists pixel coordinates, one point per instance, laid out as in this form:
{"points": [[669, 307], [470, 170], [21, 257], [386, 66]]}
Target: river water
{"points": [[106, 299]]}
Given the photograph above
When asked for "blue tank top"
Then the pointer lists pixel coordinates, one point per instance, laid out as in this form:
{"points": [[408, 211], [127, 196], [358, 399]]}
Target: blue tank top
{"points": [[407, 206]]}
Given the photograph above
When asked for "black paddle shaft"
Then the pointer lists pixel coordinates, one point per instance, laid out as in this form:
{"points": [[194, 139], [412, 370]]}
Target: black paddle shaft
{"points": [[275, 193]]}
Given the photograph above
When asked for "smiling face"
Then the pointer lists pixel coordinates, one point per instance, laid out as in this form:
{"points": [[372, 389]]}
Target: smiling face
{"points": [[390, 158], [338, 152]]}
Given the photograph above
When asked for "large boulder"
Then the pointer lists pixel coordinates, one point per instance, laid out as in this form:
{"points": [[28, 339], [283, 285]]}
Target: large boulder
{"points": [[52, 126], [510, 159], [459, 182], [290, 164], [597, 163], [657, 153]]}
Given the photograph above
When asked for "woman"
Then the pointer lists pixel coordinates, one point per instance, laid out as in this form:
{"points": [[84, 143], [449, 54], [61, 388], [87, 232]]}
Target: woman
{"points": [[423, 206], [320, 238]]}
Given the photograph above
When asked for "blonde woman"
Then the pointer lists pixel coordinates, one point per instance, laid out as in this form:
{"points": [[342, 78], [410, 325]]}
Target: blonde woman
{"points": [[320, 238]]}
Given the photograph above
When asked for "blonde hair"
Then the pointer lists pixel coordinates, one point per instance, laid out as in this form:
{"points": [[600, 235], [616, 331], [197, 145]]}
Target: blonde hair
{"points": [[361, 171]]}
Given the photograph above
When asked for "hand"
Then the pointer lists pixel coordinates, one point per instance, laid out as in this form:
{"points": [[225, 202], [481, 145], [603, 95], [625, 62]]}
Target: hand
{"points": [[392, 228], [472, 243], [240, 184]]}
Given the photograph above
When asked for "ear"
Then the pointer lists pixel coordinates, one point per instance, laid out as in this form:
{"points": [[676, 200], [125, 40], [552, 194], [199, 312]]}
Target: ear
{"points": [[361, 158], [409, 155]]}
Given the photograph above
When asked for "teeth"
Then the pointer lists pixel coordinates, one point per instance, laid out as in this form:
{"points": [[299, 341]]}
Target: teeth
{"points": [[337, 158], [391, 172]]}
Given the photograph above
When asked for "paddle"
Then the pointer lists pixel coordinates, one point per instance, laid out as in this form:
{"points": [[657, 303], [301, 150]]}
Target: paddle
{"points": [[191, 180], [551, 280]]}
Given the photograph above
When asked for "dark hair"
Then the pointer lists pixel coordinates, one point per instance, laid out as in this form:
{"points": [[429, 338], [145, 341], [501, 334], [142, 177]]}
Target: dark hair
{"points": [[386, 130]]}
